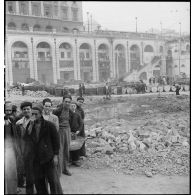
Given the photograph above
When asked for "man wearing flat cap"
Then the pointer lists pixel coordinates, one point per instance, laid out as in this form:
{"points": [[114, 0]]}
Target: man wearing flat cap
{"points": [[44, 140]]}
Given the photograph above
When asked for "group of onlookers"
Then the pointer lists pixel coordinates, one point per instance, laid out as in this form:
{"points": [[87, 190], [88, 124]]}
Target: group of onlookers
{"points": [[37, 144]]}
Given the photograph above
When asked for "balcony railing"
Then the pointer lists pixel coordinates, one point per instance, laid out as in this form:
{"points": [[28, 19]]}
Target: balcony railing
{"points": [[20, 59], [44, 58]]}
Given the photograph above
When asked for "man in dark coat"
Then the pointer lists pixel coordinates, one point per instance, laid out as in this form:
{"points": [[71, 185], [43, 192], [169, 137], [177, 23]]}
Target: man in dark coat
{"points": [[44, 140], [177, 89], [24, 162], [79, 109], [64, 115], [10, 148], [76, 125]]}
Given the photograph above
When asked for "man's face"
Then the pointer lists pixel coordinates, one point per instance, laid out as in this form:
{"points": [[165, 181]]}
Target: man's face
{"points": [[73, 107], [66, 102], [8, 109], [47, 107], [27, 111], [80, 102], [36, 115]]}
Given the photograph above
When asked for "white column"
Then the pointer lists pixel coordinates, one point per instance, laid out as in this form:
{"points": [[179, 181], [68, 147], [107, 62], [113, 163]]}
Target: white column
{"points": [[34, 55], [78, 62], [9, 63], [127, 59], [29, 8], [129, 53], [75, 58], [31, 61], [94, 61], [58, 60], [17, 7], [111, 61], [54, 62], [42, 9], [142, 53]]}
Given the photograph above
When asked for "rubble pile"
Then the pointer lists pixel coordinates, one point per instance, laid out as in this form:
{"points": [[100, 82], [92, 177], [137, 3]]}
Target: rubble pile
{"points": [[37, 93], [158, 146], [30, 93]]}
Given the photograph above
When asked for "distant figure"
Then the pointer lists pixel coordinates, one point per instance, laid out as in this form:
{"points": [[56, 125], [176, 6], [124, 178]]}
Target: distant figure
{"points": [[65, 92], [177, 89], [83, 87], [80, 90], [23, 90], [108, 91]]}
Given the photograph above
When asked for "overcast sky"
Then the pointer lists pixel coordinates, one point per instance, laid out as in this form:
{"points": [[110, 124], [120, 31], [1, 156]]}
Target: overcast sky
{"points": [[121, 15]]}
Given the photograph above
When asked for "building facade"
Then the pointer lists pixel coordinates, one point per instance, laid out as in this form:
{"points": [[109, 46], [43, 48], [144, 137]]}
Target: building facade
{"points": [[45, 41]]}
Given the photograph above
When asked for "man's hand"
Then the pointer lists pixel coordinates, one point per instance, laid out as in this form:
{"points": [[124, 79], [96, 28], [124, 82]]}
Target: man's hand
{"points": [[77, 132], [55, 160]]}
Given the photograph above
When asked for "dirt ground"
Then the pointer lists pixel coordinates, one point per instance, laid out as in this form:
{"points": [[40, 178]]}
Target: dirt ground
{"points": [[96, 177], [105, 181]]}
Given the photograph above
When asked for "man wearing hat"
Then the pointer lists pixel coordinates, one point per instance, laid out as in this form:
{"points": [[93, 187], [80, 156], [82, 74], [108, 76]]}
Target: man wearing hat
{"points": [[79, 110], [24, 163], [45, 143]]}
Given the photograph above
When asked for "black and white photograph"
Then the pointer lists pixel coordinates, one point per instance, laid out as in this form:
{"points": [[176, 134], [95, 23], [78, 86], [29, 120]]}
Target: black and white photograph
{"points": [[97, 97]]}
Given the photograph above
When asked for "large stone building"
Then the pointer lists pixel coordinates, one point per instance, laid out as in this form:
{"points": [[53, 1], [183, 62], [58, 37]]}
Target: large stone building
{"points": [[45, 41]]}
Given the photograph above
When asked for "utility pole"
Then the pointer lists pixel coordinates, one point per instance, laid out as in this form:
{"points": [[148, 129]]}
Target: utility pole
{"points": [[91, 22], [136, 24], [179, 45], [88, 21]]}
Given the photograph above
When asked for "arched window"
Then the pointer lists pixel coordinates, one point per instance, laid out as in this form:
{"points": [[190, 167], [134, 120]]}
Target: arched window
{"points": [[75, 29], [48, 28], [188, 48], [11, 26], [25, 27], [148, 48], [161, 49], [65, 29], [36, 27]]}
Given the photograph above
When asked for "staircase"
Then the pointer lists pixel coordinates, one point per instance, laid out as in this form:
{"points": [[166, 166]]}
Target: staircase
{"points": [[146, 68]]}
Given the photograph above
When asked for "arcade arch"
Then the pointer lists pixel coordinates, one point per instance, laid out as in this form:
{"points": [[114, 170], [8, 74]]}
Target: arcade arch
{"points": [[20, 62], [85, 56], [103, 62], [44, 63]]}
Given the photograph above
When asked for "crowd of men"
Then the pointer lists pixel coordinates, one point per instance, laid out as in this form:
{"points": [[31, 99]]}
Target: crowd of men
{"points": [[37, 144]]}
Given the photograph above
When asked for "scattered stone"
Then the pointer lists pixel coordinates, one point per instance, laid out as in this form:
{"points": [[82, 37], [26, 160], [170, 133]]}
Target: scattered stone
{"points": [[148, 174]]}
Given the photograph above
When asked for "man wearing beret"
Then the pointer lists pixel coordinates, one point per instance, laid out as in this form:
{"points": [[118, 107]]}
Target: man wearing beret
{"points": [[24, 162], [45, 143]]}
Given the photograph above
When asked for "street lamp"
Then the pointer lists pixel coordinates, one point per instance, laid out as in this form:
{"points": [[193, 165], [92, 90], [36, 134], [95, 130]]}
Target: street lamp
{"points": [[161, 29], [88, 20], [136, 23]]}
